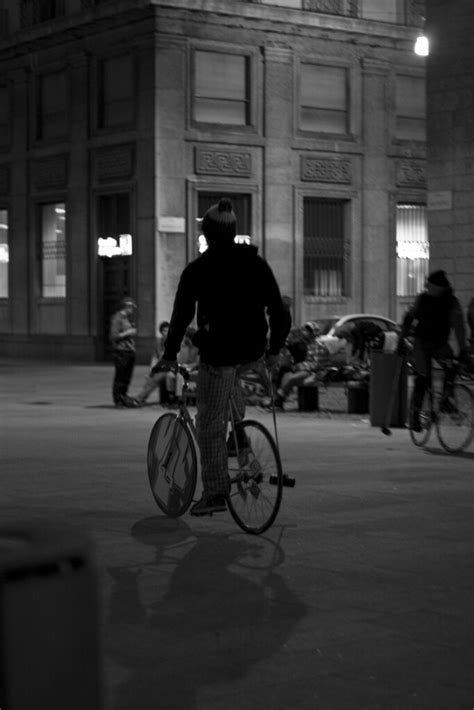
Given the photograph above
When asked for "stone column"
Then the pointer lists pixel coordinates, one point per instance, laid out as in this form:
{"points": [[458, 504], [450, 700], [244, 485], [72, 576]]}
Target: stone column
{"points": [[277, 168], [374, 257], [169, 156], [77, 217], [22, 261]]}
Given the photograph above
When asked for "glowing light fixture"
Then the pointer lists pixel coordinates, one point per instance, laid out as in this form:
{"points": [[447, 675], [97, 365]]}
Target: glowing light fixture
{"points": [[422, 45]]}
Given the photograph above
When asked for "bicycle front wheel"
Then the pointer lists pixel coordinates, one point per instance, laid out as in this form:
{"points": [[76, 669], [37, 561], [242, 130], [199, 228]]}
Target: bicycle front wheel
{"points": [[256, 480], [455, 420], [420, 438], [172, 465]]}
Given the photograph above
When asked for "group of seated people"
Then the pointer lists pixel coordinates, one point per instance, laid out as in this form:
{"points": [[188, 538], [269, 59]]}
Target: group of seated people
{"points": [[302, 357]]}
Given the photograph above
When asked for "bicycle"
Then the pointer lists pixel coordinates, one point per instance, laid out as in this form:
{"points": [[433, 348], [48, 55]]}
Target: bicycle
{"points": [[255, 472], [451, 414]]}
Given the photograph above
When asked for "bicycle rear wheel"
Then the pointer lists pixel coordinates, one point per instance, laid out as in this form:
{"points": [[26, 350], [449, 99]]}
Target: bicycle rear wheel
{"points": [[420, 438], [256, 480], [455, 420], [172, 465]]}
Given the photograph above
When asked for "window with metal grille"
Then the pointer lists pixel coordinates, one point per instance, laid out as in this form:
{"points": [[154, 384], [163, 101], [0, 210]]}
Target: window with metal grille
{"points": [[324, 247], [221, 88], [53, 250], [242, 207], [410, 103], [4, 256], [53, 106], [323, 99], [413, 249], [116, 92]]}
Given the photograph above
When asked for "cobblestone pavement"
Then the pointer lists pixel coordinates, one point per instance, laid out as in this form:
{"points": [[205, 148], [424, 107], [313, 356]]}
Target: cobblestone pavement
{"points": [[359, 596]]}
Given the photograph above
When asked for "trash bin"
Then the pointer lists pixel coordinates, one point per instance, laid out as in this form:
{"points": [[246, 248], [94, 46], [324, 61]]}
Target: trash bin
{"points": [[357, 397], [382, 373], [49, 621], [308, 398]]}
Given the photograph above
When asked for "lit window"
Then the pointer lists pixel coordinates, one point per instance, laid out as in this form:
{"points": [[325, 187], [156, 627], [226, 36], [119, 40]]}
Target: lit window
{"points": [[53, 106], [4, 257], [413, 249], [323, 99], [324, 247], [410, 101], [53, 250], [116, 92], [221, 91]]}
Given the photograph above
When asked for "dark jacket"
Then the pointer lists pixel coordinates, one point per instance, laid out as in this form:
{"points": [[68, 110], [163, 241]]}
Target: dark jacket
{"points": [[234, 289], [434, 316]]}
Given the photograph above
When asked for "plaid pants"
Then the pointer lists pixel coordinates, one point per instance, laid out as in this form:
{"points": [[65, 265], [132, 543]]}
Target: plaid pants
{"points": [[214, 387]]}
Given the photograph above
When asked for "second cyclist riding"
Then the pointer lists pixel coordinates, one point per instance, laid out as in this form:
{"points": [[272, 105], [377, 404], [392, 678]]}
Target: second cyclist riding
{"points": [[255, 478]]}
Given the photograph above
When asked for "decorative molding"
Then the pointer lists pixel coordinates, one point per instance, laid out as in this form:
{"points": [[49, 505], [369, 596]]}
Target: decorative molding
{"points": [[410, 173], [334, 170], [114, 162], [375, 66], [50, 173], [4, 179], [223, 162]]}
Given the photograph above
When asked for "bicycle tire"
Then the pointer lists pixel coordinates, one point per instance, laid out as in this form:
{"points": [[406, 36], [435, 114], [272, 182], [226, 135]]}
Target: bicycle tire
{"points": [[420, 438], [455, 428], [172, 482], [256, 480]]}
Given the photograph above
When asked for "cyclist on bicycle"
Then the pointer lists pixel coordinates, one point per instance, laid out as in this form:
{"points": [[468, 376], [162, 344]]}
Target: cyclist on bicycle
{"points": [[435, 313], [234, 289]]}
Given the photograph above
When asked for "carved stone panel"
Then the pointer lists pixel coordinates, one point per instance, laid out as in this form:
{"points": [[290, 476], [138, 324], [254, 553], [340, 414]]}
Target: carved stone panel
{"points": [[114, 162], [332, 7], [50, 173], [4, 179], [410, 173], [334, 170], [223, 162]]}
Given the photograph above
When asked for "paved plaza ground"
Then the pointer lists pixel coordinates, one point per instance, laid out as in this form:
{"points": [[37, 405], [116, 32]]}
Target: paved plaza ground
{"points": [[359, 597]]}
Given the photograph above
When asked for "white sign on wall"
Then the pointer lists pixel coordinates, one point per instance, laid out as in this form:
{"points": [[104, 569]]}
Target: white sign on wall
{"points": [[177, 225]]}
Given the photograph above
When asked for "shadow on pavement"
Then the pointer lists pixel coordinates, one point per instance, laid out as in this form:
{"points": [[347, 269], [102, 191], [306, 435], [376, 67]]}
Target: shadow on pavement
{"points": [[442, 452], [222, 610]]}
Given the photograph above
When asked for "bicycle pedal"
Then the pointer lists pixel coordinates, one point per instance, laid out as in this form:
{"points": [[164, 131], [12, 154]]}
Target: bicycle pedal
{"points": [[289, 481]]}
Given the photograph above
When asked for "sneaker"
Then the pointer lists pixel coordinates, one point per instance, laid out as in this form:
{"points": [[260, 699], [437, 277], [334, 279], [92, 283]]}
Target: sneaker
{"points": [[209, 505]]}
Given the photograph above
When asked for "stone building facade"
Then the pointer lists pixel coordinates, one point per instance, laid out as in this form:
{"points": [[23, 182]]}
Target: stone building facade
{"points": [[450, 125], [122, 120]]}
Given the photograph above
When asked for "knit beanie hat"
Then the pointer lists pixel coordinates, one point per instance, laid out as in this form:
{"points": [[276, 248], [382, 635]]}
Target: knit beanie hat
{"points": [[439, 278], [220, 223]]}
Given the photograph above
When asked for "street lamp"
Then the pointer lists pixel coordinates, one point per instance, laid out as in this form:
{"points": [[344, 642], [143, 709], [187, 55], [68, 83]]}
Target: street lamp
{"points": [[422, 45]]}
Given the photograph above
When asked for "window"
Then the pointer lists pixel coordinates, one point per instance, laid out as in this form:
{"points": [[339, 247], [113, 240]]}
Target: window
{"points": [[323, 99], [410, 102], [381, 10], [324, 247], [53, 250], [114, 215], [34, 11], [53, 106], [4, 115], [4, 258], [221, 88], [116, 92], [413, 251], [242, 207]]}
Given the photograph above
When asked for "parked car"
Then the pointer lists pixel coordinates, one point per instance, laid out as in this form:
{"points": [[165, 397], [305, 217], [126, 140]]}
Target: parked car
{"points": [[337, 346]]}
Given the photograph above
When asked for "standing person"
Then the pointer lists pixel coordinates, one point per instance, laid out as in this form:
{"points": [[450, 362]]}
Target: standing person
{"points": [[122, 337], [235, 290], [435, 313]]}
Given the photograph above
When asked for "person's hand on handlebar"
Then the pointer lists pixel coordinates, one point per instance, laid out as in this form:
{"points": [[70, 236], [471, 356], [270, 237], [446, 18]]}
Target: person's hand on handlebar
{"points": [[164, 366]]}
